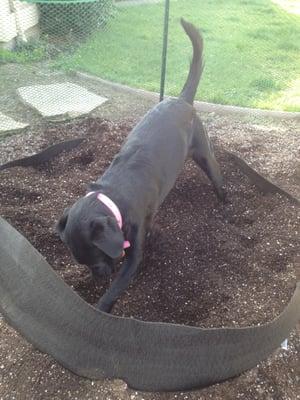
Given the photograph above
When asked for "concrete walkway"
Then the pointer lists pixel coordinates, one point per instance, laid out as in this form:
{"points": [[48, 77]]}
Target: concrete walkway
{"points": [[60, 99], [8, 124]]}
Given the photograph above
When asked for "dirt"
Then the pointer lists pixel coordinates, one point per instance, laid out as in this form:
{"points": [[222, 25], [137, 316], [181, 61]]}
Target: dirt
{"points": [[205, 263]]}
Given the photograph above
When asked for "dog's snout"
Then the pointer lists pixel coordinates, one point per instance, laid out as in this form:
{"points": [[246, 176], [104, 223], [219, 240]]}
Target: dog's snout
{"points": [[100, 271]]}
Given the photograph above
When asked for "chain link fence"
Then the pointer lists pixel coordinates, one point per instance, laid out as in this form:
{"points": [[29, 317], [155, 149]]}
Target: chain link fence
{"points": [[251, 52]]}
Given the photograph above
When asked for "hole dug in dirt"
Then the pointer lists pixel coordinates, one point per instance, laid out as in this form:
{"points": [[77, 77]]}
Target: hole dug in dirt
{"points": [[82, 160]]}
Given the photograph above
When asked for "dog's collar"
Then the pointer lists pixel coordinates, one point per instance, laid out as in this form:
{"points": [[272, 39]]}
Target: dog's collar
{"points": [[114, 209]]}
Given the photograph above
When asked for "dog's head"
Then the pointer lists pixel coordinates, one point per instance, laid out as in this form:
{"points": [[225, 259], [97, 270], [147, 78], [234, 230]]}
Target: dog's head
{"points": [[92, 234]]}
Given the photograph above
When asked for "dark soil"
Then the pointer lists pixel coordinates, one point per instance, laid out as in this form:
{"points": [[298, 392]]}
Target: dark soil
{"points": [[205, 263], [202, 259]]}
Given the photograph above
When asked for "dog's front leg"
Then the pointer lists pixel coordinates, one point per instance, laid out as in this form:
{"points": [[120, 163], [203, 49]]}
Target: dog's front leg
{"points": [[124, 277]]}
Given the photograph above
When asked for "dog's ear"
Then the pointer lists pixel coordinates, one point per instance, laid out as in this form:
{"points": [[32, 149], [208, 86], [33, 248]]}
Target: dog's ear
{"points": [[60, 226], [107, 236]]}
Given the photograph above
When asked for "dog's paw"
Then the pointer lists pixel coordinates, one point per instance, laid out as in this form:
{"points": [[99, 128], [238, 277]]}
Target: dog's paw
{"points": [[103, 306], [222, 194]]}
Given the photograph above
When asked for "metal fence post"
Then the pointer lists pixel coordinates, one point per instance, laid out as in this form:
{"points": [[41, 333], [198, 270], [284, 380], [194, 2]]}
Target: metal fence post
{"points": [[164, 51]]}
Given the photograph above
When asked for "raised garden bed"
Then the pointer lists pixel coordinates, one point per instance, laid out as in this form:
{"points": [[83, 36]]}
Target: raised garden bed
{"points": [[206, 264]]}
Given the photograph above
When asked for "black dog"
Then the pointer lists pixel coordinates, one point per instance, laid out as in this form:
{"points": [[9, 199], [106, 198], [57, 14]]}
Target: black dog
{"points": [[137, 182]]}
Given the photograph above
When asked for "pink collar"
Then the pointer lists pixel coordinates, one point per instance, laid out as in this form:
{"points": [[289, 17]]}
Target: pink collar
{"points": [[114, 209]]}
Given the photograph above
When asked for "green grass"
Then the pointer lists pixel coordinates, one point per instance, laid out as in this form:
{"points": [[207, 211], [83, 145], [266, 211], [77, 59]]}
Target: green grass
{"points": [[26, 53], [251, 51]]}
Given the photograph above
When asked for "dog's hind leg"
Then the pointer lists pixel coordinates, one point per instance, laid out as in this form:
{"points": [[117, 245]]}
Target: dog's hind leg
{"points": [[203, 154]]}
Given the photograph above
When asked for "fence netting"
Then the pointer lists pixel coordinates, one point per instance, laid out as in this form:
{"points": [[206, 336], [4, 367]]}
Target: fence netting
{"points": [[251, 52]]}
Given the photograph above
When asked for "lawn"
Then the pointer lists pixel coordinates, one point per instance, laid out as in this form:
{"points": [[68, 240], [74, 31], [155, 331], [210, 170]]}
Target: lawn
{"points": [[252, 50]]}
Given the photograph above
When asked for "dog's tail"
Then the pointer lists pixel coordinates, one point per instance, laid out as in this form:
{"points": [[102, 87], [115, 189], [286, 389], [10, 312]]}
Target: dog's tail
{"points": [[190, 87]]}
